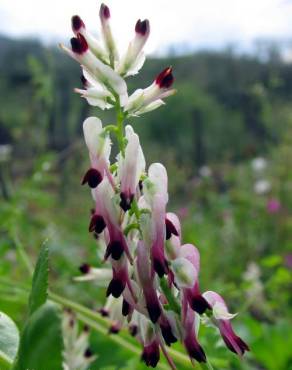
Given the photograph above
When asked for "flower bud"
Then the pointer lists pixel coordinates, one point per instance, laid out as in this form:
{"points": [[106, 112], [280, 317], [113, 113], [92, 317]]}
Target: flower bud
{"points": [[134, 58], [142, 101], [104, 14]]}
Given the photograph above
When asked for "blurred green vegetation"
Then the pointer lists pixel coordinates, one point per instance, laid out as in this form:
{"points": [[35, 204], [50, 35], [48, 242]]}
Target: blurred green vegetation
{"points": [[229, 110]]}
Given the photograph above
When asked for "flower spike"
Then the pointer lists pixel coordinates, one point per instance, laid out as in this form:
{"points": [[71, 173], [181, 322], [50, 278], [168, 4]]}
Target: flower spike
{"points": [[151, 277]]}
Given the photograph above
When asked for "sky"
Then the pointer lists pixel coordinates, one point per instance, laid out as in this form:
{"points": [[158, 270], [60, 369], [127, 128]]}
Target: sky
{"points": [[191, 24]]}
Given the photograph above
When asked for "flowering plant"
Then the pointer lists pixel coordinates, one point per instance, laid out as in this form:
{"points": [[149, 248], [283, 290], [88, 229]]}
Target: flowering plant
{"points": [[152, 277]]}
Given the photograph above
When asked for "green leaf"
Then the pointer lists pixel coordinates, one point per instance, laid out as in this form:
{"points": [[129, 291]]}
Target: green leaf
{"points": [[41, 342], [39, 290], [9, 340]]}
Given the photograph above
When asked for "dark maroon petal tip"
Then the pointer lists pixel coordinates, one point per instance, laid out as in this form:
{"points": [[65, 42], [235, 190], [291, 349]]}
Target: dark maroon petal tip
{"points": [[77, 23], [114, 329], [84, 82], [151, 355], [104, 312], [170, 229], [167, 334], [92, 177], [126, 308], [165, 78], [115, 288], [97, 224], [86, 329], [133, 330], [197, 353], [88, 353], [104, 11], [199, 304], [79, 44], [142, 27], [243, 346], [240, 343], [114, 249], [160, 267], [126, 202], [84, 268], [154, 311]]}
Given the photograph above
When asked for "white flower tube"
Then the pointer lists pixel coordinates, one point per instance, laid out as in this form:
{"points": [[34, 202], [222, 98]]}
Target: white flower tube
{"points": [[99, 147], [134, 57], [130, 168], [104, 14], [142, 101]]}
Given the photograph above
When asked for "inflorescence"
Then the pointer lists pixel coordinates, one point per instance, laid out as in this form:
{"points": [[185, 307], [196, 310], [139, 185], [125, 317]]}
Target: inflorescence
{"points": [[152, 283]]}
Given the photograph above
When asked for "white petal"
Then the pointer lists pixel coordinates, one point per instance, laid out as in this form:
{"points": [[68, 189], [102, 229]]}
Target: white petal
{"points": [[137, 65], [95, 97], [105, 194], [105, 75], [95, 102], [191, 253], [101, 275], [107, 35], [133, 164], [157, 173], [98, 143], [220, 312], [91, 79], [135, 101], [150, 107], [157, 182], [135, 149], [184, 272], [146, 329], [95, 46], [92, 128]]}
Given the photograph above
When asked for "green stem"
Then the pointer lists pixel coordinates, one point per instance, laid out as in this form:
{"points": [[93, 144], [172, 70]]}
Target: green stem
{"points": [[172, 301], [115, 338], [119, 125], [101, 324], [78, 308]]}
